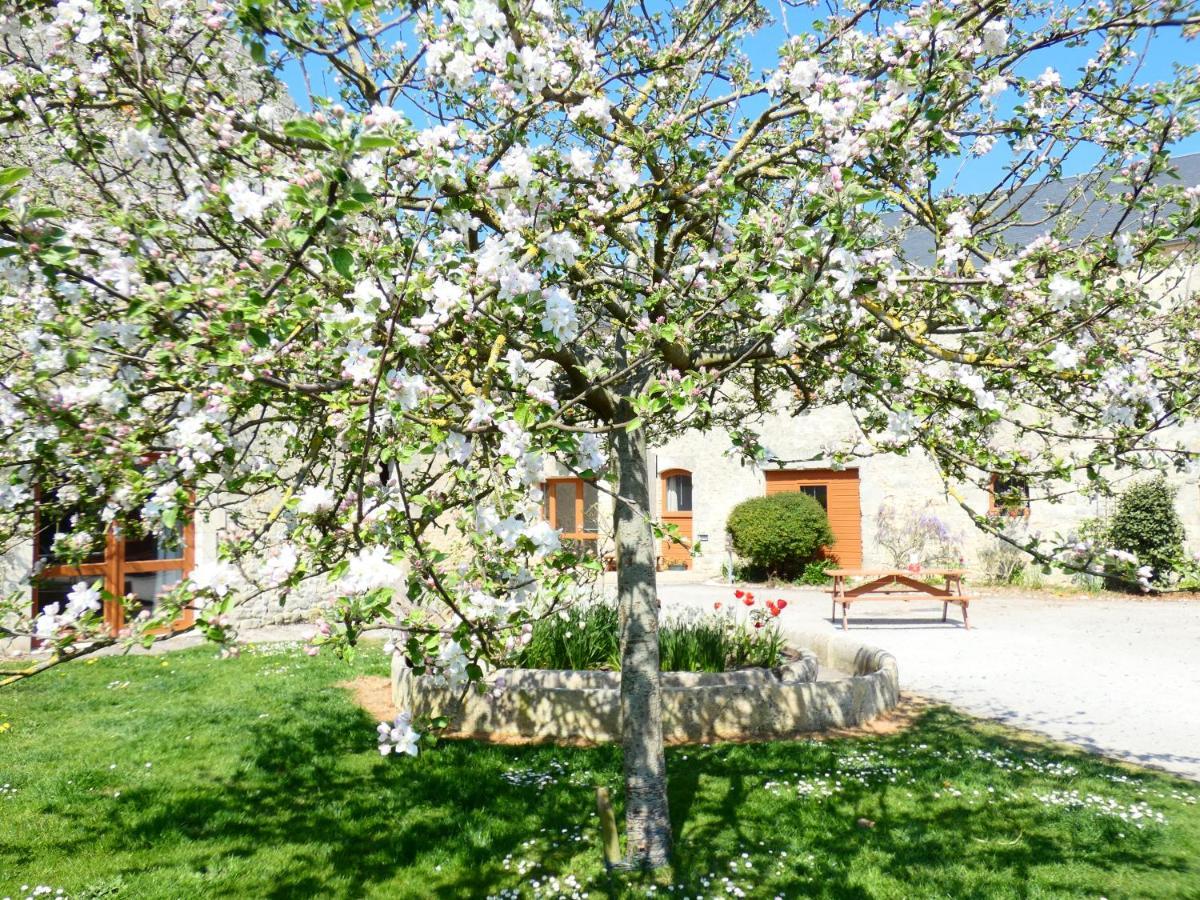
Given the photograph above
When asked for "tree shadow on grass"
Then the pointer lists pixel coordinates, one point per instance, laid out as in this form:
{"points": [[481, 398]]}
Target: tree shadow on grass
{"points": [[1006, 844], [311, 787], [308, 809]]}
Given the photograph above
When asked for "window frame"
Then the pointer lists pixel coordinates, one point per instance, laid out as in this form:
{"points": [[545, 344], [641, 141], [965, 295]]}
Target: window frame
{"points": [[550, 509], [113, 569], [691, 495]]}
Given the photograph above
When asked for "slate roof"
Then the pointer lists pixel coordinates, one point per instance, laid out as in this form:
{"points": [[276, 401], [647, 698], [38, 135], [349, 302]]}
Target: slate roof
{"points": [[1036, 208]]}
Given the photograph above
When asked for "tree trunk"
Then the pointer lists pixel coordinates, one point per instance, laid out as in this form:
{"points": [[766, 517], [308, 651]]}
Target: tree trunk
{"points": [[647, 820]]}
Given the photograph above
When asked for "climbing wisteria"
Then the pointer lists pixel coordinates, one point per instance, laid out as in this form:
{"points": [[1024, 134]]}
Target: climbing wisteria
{"points": [[352, 279]]}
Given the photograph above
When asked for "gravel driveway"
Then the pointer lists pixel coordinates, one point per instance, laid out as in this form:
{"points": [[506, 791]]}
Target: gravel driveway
{"points": [[1118, 677]]}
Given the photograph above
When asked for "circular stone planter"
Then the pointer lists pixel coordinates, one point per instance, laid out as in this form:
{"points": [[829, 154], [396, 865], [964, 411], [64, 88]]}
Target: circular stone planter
{"points": [[583, 707]]}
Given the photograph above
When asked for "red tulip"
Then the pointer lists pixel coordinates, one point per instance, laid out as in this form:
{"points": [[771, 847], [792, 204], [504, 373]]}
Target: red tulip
{"points": [[781, 603], [739, 593], [717, 605], [772, 608], [749, 601]]}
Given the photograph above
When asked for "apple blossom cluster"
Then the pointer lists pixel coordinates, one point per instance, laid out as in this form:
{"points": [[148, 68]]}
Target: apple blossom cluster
{"points": [[398, 736]]}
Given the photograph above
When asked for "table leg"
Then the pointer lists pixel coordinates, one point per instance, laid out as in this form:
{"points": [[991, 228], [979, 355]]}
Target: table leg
{"points": [[966, 621], [945, 609]]}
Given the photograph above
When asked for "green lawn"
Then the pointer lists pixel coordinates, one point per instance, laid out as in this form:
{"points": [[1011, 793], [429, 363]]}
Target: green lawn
{"points": [[186, 776]]}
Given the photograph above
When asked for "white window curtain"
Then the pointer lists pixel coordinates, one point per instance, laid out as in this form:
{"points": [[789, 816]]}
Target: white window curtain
{"points": [[679, 493]]}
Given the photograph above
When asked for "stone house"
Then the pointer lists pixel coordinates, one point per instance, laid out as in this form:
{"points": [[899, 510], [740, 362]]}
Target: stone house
{"points": [[696, 482]]}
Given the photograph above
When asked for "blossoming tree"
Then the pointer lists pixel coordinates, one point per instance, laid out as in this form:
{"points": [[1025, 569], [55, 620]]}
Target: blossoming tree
{"points": [[508, 234]]}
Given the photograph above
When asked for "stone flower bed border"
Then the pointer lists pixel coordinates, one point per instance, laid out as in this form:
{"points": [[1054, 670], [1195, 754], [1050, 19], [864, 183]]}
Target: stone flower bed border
{"points": [[581, 707]]}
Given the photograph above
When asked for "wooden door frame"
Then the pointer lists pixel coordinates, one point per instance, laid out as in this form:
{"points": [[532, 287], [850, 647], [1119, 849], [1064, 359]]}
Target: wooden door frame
{"points": [[667, 544]]}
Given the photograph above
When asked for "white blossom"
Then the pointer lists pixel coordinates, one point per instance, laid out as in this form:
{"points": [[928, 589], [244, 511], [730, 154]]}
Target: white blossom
{"points": [[769, 304], [458, 447], [995, 36], [1064, 356], [784, 342], [316, 499], [82, 598], [215, 576], [247, 203], [1064, 291], [398, 736], [369, 569], [559, 318]]}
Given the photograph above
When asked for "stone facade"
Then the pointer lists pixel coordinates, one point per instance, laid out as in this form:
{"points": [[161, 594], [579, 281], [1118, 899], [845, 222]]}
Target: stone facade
{"points": [[910, 482]]}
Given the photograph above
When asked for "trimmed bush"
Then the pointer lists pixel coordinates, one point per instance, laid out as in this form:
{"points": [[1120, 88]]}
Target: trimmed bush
{"points": [[1146, 522], [781, 534]]}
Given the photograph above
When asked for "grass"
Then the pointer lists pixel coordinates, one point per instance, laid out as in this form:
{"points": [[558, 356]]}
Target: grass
{"points": [[587, 636], [265, 783]]}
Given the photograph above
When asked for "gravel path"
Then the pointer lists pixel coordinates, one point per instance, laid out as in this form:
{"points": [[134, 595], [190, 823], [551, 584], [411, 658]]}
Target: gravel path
{"points": [[1118, 677]]}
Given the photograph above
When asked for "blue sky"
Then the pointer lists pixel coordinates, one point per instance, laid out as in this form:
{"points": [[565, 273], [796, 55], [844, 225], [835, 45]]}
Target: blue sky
{"points": [[1157, 56]]}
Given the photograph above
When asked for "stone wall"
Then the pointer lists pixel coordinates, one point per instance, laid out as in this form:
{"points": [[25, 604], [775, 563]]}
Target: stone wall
{"points": [[582, 708]]}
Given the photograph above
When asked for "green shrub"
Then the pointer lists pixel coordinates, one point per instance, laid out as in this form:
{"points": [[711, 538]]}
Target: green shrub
{"points": [[1146, 523], [816, 572], [781, 534], [587, 636]]}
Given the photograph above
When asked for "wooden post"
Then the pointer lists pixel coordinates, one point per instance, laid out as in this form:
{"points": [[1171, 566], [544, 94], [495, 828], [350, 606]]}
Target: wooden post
{"points": [[609, 841]]}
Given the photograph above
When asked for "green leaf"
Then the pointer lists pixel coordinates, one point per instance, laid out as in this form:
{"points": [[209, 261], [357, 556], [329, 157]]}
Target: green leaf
{"points": [[169, 516], [258, 336], [343, 261], [13, 174], [306, 129], [43, 212], [375, 142]]}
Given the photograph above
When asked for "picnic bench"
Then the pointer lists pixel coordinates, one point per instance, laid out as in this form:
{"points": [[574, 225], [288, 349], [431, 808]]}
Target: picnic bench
{"points": [[898, 584]]}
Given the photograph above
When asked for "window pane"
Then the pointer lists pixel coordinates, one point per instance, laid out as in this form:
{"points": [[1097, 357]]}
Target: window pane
{"points": [[139, 548], [146, 586], [679, 493], [591, 508], [818, 492], [1010, 493], [54, 590], [53, 525], [564, 506], [584, 547]]}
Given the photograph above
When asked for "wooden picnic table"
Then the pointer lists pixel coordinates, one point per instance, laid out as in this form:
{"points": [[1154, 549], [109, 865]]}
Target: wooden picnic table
{"points": [[898, 584]]}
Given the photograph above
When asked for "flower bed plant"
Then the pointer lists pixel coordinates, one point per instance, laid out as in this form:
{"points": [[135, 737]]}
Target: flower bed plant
{"points": [[731, 636]]}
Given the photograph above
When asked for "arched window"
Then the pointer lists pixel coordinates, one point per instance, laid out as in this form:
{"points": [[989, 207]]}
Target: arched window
{"points": [[679, 492], [676, 494]]}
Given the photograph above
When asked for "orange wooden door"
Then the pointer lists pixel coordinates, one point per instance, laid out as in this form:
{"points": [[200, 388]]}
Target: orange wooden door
{"points": [[675, 485], [838, 492]]}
